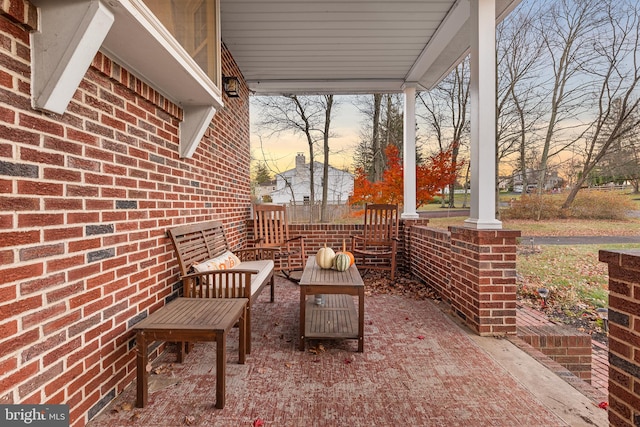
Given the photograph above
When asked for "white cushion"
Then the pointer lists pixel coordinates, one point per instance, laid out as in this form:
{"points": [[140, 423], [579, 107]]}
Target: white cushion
{"points": [[262, 267], [222, 262]]}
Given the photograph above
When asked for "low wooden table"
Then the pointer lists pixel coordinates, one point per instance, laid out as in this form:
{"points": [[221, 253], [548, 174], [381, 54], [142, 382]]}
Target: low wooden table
{"points": [[337, 316], [191, 320]]}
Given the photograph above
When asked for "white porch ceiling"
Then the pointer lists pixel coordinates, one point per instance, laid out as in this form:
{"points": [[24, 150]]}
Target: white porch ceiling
{"points": [[347, 46]]}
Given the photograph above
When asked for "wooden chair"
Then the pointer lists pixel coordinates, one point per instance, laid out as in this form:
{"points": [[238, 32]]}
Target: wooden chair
{"points": [[379, 238], [271, 231]]}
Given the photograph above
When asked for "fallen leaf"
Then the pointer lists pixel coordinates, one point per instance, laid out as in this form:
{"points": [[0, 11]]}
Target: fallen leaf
{"points": [[347, 361], [420, 337], [189, 420], [258, 422], [603, 405], [288, 364], [126, 406]]}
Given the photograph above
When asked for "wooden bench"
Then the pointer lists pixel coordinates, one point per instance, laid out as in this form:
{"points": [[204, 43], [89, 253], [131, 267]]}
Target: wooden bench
{"points": [[199, 244]]}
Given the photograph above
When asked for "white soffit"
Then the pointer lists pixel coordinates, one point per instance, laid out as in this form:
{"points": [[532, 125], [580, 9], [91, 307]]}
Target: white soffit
{"points": [[348, 46]]}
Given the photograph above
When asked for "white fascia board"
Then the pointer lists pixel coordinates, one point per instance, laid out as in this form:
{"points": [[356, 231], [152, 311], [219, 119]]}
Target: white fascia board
{"points": [[68, 38], [319, 87]]}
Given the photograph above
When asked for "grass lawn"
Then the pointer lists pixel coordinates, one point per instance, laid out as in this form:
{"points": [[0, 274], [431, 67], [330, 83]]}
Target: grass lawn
{"points": [[558, 227], [572, 274]]}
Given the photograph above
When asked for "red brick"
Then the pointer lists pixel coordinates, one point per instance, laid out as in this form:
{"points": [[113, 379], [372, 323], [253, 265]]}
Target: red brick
{"points": [[41, 125], [9, 381], [42, 251], [27, 220], [17, 342], [23, 272]]}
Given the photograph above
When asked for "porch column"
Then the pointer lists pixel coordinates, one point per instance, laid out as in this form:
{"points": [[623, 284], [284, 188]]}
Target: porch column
{"points": [[409, 154], [483, 116]]}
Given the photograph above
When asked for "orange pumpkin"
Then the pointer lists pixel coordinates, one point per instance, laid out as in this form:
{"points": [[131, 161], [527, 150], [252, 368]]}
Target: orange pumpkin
{"points": [[344, 250]]}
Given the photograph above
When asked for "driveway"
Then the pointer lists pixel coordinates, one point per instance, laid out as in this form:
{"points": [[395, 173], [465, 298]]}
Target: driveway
{"points": [[578, 240]]}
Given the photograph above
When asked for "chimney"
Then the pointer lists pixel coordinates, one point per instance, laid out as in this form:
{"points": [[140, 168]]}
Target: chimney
{"points": [[300, 160]]}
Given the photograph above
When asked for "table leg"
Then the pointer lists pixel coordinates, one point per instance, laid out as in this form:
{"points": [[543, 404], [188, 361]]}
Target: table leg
{"points": [[361, 319], [221, 368], [303, 310], [142, 359], [243, 336]]}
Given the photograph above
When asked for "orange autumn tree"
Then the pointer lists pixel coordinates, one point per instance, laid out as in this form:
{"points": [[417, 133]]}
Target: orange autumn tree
{"points": [[437, 173]]}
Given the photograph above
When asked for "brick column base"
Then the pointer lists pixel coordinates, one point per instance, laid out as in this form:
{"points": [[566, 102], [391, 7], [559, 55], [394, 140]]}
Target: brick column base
{"points": [[483, 279]]}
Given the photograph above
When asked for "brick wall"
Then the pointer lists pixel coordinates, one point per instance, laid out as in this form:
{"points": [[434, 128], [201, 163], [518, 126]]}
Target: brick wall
{"points": [[316, 235], [431, 258], [624, 337], [85, 199], [565, 345]]}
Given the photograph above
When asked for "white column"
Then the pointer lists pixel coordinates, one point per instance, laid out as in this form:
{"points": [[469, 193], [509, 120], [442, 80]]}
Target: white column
{"points": [[483, 116], [409, 154]]}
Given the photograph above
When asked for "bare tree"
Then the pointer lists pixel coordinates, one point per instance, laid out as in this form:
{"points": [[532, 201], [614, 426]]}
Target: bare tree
{"points": [[618, 76], [328, 105], [381, 127], [308, 116], [518, 108], [568, 30], [449, 102]]}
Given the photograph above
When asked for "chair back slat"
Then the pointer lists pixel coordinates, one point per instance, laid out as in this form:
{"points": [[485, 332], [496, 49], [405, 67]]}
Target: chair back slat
{"points": [[270, 225], [381, 223]]}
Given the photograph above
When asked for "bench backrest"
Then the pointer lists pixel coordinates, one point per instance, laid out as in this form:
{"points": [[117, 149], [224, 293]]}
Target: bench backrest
{"points": [[195, 243]]}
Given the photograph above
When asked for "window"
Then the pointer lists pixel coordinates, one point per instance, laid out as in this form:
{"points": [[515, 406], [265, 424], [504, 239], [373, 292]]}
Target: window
{"points": [[194, 24]]}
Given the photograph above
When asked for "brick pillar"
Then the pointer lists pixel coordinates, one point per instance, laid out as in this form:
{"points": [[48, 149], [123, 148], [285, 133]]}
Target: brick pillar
{"points": [[483, 279], [404, 255], [624, 337]]}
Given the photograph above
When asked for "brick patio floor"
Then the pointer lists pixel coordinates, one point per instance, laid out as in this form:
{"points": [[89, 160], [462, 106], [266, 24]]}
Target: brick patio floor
{"points": [[419, 367]]}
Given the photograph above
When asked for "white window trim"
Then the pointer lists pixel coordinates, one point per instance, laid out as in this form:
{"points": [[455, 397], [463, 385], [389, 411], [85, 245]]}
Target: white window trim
{"points": [[127, 32]]}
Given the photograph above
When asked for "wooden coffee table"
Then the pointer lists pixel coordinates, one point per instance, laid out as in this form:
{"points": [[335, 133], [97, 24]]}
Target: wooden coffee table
{"points": [[191, 320], [337, 317]]}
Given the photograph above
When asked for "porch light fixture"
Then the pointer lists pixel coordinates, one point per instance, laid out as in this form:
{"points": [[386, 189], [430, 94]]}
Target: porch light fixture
{"points": [[231, 86]]}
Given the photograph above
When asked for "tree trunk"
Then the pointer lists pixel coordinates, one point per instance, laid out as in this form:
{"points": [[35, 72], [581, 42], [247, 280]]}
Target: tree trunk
{"points": [[325, 168]]}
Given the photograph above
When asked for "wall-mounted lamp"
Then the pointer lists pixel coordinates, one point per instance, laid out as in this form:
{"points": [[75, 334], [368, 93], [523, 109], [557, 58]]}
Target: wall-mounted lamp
{"points": [[231, 86]]}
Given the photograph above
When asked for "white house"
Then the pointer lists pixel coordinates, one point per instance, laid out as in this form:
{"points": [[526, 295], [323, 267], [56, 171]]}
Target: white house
{"points": [[294, 184]]}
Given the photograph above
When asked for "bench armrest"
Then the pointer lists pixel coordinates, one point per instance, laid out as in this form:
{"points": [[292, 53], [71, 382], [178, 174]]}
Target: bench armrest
{"points": [[232, 283]]}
